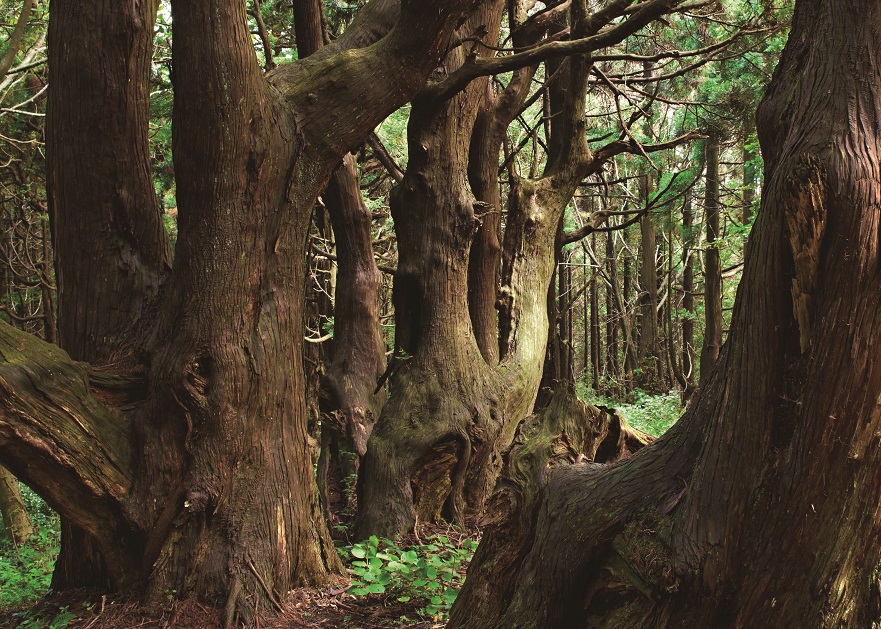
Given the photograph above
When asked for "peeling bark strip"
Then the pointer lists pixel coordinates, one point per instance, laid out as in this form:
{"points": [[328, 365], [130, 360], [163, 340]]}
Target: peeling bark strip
{"points": [[806, 218], [184, 467], [759, 508]]}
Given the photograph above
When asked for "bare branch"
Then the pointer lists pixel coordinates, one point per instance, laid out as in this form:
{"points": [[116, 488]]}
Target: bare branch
{"points": [[612, 34]]}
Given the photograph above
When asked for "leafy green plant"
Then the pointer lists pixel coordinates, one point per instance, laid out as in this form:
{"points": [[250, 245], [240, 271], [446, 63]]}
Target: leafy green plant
{"points": [[650, 413], [29, 619], [653, 414], [26, 569], [432, 573]]}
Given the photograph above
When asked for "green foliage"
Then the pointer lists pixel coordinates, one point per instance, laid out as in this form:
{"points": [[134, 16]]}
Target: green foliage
{"points": [[432, 573], [41, 515], [393, 134], [653, 414], [30, 619], [26, 569]]}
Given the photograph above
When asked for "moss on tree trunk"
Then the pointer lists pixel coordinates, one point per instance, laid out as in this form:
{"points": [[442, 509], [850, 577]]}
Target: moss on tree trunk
{"points": [[760, 506]]}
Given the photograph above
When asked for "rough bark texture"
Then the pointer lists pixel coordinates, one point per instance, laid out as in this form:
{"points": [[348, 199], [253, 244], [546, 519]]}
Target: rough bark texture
{"points": [[651, 377], [15, 525], [760, 507], [750, 177], [101, 199], [712, 264], [436, 450], [444, 393], [449, 418], [109, 242], [185, 460], [350, 402]]}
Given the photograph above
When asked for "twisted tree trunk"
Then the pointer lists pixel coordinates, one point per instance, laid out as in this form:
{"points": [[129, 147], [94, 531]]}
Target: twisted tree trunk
{"points": [[760, 507], [183, 457]]}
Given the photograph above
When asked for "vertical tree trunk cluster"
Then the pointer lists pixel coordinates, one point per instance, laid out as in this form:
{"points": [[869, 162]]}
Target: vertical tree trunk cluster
{"points": [[186, 467]]}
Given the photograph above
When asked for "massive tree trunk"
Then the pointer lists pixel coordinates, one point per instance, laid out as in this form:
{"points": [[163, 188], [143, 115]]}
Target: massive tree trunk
{"points": [[436, 450], [759, 507], [444, 393], [183, 458], [436, 447], [109, 241]]}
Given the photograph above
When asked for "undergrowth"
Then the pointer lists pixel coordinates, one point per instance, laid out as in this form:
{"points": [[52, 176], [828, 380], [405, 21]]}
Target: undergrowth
{"points": [[431, 573], [26, 569], [651, 413]]}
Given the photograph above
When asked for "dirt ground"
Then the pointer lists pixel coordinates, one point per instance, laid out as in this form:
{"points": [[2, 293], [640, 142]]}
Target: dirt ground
{"points": [[325, 608], [330, 607]]}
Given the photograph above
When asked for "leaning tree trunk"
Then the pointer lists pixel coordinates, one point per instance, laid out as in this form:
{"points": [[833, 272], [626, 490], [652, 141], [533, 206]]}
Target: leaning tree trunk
{"points": [[183, 458], [760, 507], [15, 524]]}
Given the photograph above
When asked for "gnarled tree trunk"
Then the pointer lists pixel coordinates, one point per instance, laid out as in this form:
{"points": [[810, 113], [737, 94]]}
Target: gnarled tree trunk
{"points": [[436, 449], [183, 457], [760, 506]]}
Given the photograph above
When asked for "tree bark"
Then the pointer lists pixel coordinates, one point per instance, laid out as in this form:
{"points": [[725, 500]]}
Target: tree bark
{"points": [[759, 507], [712, 265], [688, 293], [444, 391], [749, 180], [435, 451], [350, 401], [109, 241], [596, 351], [184, 460], [15, 524], [349, 388], [649, 348]]}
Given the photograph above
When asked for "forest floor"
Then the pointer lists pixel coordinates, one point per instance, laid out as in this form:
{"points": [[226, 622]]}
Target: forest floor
{"points": [[329, 607], [305, 607]]}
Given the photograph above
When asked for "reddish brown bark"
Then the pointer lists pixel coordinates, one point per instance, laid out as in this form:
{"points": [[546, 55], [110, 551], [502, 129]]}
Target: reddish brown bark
{"points": [[759, 508], [712, 264], [185, 461]]}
